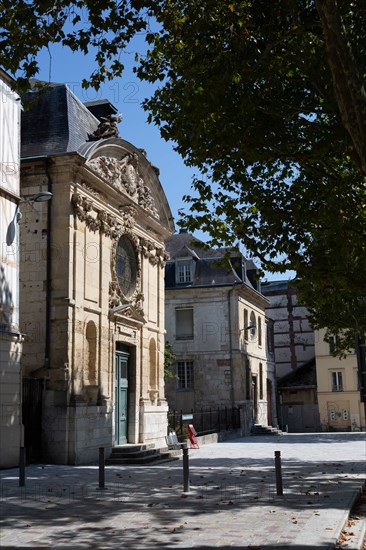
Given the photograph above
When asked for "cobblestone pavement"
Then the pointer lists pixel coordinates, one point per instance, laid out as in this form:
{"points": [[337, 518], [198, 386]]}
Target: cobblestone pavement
{"points": [[232, 502]]}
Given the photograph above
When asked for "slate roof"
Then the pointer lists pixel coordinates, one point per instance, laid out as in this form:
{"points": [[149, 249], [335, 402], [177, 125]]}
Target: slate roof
{"points": [[175, 246], [300, 377], [274, 287], [207, 272], [57, 122]]}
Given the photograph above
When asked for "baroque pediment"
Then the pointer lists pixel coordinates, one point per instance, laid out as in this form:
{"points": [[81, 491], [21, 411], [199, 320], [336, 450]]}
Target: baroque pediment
{"points": [[124, 176], [129, 311]]}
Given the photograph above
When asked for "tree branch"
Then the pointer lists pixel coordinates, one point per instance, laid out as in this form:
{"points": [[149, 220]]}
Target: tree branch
{"points": [[348, 86]]}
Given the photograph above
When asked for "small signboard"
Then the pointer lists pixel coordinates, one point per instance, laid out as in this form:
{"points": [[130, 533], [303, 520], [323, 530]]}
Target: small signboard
{"points": [[187, 416]]}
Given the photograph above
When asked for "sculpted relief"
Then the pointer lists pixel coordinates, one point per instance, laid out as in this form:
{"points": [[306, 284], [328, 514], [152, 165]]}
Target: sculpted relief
{"points": [[125, 286], [124, 176]]}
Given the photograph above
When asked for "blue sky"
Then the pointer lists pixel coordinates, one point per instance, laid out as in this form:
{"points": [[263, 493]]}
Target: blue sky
{"points": [[126, 93]]}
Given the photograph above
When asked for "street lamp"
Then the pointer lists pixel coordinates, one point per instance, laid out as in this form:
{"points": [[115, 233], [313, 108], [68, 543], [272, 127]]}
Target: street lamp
{"points": [[42, 196]]}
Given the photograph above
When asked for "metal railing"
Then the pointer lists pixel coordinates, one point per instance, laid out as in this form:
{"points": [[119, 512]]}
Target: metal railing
{"points": [[205, 421]]}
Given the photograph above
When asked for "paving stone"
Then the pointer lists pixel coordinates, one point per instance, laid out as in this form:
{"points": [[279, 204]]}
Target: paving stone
{"points": [[143, 507]]}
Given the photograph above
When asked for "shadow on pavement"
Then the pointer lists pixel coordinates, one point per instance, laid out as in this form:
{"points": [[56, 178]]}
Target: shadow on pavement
{"points": [[143, 507]]}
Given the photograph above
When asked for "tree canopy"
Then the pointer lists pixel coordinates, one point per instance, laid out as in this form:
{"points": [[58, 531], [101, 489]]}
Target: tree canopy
{"points": [[267, 100]]}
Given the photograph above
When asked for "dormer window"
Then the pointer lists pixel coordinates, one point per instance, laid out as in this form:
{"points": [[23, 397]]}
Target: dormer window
{"points": [[184, 271]]}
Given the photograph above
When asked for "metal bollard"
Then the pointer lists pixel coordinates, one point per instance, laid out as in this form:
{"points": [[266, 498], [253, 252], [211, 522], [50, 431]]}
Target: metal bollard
{"points": [[278, 473], [185, 468], [101, 468], [22, 467]]}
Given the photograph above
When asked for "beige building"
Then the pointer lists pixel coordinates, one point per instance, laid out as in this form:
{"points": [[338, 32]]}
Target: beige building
{"points": [[92, 292], [10, 335], [340, 406], [216, 324]]}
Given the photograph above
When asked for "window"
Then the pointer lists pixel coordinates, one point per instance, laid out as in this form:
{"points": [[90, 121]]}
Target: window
{"points": [[270, 336], [337, 383], [252, 325], [260, 381], [259, 331], [248, 378], [184, 324], [333, 342], [246, 324], [184, 272], [126, 266], [185, 375]]}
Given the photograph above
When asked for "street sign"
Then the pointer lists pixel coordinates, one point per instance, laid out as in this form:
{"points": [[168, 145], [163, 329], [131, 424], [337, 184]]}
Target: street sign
{"points": [[187, 416]]}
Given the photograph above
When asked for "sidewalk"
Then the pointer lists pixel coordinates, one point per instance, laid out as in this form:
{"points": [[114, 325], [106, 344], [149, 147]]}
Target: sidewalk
{"points": [[232, 502]]}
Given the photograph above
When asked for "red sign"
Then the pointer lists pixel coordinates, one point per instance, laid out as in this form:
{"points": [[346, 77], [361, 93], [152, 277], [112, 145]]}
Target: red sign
{"points": [[192, 437]]}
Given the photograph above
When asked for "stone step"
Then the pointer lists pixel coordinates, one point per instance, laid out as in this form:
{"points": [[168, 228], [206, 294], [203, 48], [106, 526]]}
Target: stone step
{"points": [[132, 454], [152, 459], [132, 448], [265, 430], [143, 456]]}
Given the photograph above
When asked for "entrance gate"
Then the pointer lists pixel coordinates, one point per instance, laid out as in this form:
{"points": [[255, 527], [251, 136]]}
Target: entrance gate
{"points": [[121, 398]]}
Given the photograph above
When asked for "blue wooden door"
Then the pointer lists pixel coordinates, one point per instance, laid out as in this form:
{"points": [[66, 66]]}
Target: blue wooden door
{"points": [[121, 398]]}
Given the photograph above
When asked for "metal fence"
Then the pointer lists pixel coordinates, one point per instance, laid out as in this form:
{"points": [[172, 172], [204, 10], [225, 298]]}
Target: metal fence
{"points": [[204, 421]]}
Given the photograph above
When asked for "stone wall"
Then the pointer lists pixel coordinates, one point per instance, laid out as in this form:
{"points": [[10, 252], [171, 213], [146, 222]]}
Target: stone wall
{"points": [[10, 404], [73, 435]]}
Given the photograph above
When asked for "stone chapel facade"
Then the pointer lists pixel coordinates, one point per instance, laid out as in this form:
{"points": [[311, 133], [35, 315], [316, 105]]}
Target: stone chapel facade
{"points": [[92, 294]]}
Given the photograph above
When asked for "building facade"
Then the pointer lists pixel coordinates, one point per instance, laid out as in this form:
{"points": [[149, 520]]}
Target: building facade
{"points": [[293, 340], [217, 327], [339, 398], [298, 408], [292, 333], [10, 335], [92, 292]]}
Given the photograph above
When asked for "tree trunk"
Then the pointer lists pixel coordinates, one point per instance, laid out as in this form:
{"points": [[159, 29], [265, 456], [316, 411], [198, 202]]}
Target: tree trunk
{"points": [[348, 86]]}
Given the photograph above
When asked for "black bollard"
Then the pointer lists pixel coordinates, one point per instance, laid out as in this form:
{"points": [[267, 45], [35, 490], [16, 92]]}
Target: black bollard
{"points": [[101, 468], [22, 467], [278, 473], [185, 468]]}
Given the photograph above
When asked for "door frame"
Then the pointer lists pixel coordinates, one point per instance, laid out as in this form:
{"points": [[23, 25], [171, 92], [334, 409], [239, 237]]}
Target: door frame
{"points": [[120, 352]]}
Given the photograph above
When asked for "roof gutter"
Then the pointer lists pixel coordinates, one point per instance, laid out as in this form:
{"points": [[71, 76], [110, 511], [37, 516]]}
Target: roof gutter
{"points": [[229, 294], [47, 163]]}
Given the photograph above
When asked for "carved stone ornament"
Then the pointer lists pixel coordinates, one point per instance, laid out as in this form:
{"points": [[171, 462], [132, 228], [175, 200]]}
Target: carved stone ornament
{"points": [[107, 128], [100, 220], [92, 191], [124, 176], [155, 255], [115, 228]]}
